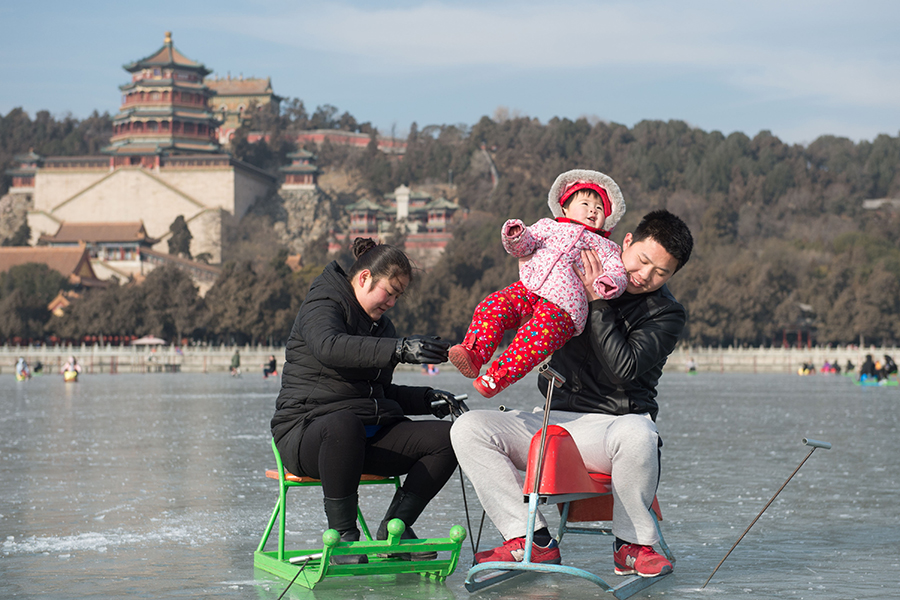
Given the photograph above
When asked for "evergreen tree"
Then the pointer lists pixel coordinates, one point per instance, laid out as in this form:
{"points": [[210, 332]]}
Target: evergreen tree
{"points": [[180, 240]]}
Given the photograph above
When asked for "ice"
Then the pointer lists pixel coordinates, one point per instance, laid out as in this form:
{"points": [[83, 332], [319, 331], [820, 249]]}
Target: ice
{"points": [[153, 486]]}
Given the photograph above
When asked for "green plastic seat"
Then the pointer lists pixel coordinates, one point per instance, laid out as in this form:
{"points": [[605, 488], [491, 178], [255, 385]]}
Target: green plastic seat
{"points": [[309, 567]]}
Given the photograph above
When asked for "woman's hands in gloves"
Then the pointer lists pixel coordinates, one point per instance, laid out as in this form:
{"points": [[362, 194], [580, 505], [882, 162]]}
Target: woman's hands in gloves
{"points": [[422, 350], [444, 403]]}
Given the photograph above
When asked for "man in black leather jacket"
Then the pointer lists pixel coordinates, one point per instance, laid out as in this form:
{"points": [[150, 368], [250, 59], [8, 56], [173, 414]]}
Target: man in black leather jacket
{"points": [[608, 405]]}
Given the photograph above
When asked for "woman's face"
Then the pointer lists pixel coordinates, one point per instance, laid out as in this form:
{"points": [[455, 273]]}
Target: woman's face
{"points": [[376, 297]]}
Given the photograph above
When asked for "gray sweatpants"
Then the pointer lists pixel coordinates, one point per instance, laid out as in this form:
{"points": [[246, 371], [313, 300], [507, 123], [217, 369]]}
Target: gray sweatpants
{"points": [[492, 449]]}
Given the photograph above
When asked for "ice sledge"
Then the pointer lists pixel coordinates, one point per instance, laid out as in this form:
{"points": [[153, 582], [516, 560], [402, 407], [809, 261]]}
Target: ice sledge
{"points": [[555, 462], [309, 567]]}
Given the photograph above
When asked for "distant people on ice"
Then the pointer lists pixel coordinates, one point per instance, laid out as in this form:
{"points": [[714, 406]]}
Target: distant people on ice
{"points": [[71, 369], [270, 368], [868, 370], [22, 370], [236, 364]]}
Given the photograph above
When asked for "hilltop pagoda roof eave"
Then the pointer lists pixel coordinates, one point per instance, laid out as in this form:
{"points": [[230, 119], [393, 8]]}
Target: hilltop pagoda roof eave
{"points": [[165, 111], [167, 56], [164, 83]]}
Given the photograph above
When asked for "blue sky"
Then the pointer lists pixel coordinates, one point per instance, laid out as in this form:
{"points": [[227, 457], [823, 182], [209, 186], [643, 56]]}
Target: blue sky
{"points": [[799, 69]]}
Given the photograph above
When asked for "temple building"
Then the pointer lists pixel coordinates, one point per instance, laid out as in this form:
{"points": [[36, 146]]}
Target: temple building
{"points": [[23, 174], [164, 160], [302, 173], [426, 222], [235, 99], [124, 252], [165, 108], [74, 262]]}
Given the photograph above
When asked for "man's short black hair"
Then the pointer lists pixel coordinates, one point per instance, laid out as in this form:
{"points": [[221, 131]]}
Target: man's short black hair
{"points": [[669, 231]]}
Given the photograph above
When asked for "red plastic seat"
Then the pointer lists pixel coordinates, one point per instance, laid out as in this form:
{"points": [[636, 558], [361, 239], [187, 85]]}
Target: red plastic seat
{"points": [[565, 475]]}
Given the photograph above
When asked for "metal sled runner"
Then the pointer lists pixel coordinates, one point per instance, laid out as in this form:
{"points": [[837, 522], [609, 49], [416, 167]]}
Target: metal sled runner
{"points": [[556, 474], [309, 567]]}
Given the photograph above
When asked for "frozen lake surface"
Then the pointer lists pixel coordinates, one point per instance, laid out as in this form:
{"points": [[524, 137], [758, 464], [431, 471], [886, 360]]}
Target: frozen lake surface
{"points": [[153, 486]]}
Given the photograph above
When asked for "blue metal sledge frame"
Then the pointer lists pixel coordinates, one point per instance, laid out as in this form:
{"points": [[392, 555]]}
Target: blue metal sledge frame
{"points": [[487, 574]]}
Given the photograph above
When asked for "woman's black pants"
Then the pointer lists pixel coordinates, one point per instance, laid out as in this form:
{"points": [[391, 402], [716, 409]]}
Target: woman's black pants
{"points": [[335, 449]]}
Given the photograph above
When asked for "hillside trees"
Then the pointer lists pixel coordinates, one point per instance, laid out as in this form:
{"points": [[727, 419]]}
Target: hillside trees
{"points": [[25, 292], [48, 136], [247, 305], [779, 228], [166, 305]]}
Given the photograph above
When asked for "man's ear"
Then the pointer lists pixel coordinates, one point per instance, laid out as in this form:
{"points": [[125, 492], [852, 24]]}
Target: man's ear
{"points": [[626, 241]]}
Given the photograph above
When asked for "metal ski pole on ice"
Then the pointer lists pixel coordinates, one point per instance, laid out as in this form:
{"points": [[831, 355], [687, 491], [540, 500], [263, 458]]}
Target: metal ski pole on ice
{"points": [[815, 444]]}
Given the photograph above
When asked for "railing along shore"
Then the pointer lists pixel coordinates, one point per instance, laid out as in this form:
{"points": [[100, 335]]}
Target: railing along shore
{"points": [[141, 359], [772, 360], [217, 359]]}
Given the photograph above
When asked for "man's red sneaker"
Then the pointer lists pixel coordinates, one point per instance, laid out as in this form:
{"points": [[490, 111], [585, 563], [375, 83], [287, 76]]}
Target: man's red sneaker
{"points": [[632, 559], [514, 551]]}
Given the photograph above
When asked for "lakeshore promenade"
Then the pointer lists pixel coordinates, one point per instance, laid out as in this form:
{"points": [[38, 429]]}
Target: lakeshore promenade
{"points": [[98, 359]]}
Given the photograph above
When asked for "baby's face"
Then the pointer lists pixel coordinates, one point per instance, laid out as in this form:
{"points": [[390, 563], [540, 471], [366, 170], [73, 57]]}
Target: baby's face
{"points": [[586, 208]]}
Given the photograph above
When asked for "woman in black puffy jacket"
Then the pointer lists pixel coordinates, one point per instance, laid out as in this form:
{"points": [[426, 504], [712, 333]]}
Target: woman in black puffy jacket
{"points": [[339, 415]]}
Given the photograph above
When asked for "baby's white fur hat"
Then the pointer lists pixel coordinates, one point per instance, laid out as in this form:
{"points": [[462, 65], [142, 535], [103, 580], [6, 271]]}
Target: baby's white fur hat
{"points": [[616, 200]]}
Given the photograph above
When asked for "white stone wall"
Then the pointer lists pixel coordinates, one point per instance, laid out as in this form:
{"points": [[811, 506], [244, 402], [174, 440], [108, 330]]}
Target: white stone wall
{"points": [[203, 196], [130, 194], [41, 222], [52, 188], [120, 269], [213, 188]]}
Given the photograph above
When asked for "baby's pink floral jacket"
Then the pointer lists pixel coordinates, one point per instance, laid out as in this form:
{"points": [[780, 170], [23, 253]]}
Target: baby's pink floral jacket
{"points": [[555, 248]]}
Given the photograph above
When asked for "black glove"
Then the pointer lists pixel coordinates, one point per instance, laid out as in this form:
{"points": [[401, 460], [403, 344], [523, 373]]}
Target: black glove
{"points": [[422, 350], [444, 403]]}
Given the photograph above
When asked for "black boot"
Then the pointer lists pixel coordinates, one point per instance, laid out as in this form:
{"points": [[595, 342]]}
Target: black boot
{"points": [[341, 513], [406, 507]]}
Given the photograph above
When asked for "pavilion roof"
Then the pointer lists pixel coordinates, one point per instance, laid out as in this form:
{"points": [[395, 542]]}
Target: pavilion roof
{"points": [[68, 232], [301, 153], [240, 86], [442, 203], [167, 56], [163, 83], [164, 111], [364, 204], [299, 168], [30, 157], [72, 262]]}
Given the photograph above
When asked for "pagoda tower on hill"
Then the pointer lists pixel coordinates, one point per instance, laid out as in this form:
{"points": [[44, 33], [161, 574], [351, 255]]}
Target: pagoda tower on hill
{"points": [[165, 110], [163, 163]]}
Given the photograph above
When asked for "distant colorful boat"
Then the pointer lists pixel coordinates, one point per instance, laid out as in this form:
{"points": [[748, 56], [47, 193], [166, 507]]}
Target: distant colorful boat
{"points": [[872, 382]]}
